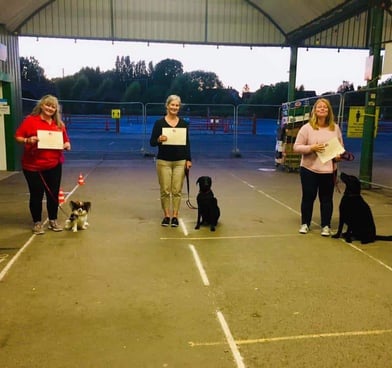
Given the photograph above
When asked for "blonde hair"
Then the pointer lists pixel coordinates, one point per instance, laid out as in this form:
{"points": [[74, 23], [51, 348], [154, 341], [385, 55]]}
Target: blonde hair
{"points": [[49, 100], [330, 119], [173, 98]]}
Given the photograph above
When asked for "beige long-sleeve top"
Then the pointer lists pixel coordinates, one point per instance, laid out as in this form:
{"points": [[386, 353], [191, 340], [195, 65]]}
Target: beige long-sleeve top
{"points": [[306, 137]]}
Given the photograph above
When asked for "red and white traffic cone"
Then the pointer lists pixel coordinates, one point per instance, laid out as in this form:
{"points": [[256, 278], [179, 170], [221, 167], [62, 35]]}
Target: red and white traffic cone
{"points": [[81, 180], [61, 196]]}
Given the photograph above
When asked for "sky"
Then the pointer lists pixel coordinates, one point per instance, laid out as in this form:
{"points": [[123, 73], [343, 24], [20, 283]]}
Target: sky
{"points": [[321, 70]]}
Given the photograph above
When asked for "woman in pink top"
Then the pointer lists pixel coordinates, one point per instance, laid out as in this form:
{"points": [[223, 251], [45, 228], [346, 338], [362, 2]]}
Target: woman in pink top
{"points": [[317, 177], [42, 167]]}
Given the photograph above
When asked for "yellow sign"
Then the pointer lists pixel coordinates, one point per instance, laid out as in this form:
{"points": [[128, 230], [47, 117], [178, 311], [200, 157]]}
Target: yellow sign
{"points": [[116, 113], [356, 120]]}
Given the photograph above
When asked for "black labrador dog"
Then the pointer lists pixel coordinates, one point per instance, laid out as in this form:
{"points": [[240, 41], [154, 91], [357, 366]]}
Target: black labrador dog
{"points": [[208, 211], [356, 214]]}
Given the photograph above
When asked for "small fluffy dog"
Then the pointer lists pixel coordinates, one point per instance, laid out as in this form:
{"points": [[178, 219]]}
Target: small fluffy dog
{"points": [[78, 218], [356, 214], [208, 211]]}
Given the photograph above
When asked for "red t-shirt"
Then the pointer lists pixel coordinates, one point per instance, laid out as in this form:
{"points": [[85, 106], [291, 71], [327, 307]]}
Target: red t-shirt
{"points": [[35, 159]]}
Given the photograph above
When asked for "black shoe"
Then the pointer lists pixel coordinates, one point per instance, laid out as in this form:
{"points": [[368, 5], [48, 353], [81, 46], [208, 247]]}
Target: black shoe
{"points": [[165, 221], [174, 222]]}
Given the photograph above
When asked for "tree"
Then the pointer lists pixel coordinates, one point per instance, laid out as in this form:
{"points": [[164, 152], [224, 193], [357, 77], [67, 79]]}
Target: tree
{"points": [[196, 86], [34, 82], [166, 71], [124, 68], [105, 90], [30, 70], [80, 88], [346, 86], [132, 93]]}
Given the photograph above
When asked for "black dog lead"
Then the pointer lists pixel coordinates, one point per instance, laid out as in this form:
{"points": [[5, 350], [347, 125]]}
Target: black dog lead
{"points": [[188, 202]]}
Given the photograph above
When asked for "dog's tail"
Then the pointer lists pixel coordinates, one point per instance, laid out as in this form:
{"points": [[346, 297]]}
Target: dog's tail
{"points": [[384, 237]]}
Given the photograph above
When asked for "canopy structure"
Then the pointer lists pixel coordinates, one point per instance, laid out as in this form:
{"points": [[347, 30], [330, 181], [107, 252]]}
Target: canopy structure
{"points": [[355, 24], [301, 23]]}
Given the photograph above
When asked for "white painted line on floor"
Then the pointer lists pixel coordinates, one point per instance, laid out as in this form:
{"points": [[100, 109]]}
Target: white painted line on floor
{"points": [[389, 268], [21, 250], [229, 338], [199, 265], [316, 336], [279, 202], [268, 196], [183, 227], [15, 258], [298, 337], [3, 257], [233, 237]]}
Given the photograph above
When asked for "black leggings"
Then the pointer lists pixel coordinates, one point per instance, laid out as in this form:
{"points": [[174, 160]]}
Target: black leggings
{"points": [[313, 183], [40, 182]]}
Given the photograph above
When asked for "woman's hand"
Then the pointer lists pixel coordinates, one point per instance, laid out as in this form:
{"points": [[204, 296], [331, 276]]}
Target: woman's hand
{"points": [[318, 147], [162, 138], [188, 165], [67, 146], [31, 140]]}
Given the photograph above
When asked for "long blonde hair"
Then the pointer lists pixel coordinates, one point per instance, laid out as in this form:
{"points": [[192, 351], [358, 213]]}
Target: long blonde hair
{"points": [[49, 100], [330, 119]]}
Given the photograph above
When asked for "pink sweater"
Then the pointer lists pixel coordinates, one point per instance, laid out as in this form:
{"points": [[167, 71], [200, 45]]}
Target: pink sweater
{"points": [[306, 137]]}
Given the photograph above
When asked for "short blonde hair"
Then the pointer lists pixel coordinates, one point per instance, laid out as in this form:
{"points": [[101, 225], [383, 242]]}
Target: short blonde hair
{"points": [[49, 100], [173, 98]]}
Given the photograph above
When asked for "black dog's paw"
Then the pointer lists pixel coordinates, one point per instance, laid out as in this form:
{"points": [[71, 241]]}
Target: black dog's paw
{"points": [[348, 240], [197, 227], [336, 236], [212, 228]]}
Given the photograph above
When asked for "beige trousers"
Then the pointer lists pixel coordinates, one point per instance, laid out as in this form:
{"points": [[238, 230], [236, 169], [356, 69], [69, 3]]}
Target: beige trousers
{"points": [[171, 179]]}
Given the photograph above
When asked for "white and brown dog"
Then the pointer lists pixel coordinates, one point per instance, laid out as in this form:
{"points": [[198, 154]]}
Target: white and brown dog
{"points": [[78, 218]]}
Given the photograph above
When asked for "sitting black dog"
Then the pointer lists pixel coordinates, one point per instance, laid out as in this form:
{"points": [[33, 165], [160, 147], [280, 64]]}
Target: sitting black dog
{"points": [[208, 211], [356, 214]]}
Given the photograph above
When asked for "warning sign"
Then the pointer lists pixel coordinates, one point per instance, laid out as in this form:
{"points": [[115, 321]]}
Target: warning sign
{"points": [[116, 113], [356, 120]]}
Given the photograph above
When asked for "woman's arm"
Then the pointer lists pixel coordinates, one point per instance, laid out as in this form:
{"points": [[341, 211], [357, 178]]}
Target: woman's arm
{"points": [[156, 132]]}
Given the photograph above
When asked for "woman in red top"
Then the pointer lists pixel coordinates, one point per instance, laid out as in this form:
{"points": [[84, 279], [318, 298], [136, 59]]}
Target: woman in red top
{"points": [[42, 167]]}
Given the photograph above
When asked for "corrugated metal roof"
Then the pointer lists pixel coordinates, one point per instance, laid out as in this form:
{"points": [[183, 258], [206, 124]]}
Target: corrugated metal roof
{"points": [[309, 23]]}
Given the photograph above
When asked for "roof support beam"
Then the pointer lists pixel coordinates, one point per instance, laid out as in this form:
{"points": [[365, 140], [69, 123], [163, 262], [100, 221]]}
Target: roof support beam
{"points": [[334, 17]]}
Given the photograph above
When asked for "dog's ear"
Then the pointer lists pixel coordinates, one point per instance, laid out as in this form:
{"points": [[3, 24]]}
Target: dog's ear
{"points": [[198, 180], [72, 204], [87, 206]]}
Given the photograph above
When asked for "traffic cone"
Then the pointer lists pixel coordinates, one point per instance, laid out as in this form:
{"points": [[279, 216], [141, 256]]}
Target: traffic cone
{"points": [[61, 196], [81, 180]]}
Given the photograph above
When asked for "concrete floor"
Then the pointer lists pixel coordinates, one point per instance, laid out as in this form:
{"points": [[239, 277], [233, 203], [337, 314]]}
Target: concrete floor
{"points": [[130, 293]]}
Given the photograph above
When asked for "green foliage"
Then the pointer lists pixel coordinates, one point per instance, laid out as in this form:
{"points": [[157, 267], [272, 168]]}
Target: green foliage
{"points": [[34, 82], [104, 90], [132, 93], [30, 70], [80, 88], [148, 83], [166, 71]]}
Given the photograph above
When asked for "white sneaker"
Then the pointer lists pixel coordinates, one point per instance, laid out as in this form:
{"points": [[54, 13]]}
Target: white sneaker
{"points": [[304, 229], [326, 231]]}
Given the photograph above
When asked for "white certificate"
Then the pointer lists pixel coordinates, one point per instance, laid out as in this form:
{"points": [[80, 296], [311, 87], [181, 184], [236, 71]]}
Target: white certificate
{"points": [[175, 136], [50, 139], [332, 149]]}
